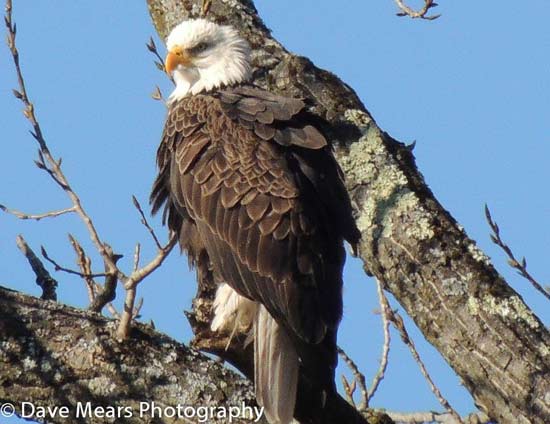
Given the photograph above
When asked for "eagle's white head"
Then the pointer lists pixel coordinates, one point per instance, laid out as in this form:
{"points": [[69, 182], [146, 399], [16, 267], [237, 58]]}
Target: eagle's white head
{"points": [[203, 55]]}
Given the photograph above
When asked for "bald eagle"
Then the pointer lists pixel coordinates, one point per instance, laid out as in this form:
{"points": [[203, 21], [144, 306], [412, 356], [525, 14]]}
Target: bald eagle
{"points": [[250, 183]]}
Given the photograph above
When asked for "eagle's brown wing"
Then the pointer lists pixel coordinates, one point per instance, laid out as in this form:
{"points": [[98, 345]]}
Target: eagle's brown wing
{"points": [[249, 180]]}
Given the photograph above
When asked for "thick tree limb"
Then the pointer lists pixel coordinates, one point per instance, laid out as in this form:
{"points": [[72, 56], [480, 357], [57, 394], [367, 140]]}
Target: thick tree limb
{"points": [[54, 355], [481, 326]]}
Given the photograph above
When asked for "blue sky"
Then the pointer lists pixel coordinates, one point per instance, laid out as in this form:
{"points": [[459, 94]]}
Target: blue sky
{"points": [[472, 88]]}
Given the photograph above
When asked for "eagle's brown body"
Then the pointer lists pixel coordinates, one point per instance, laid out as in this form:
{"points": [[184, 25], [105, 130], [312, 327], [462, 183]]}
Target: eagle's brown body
{"points": [[251, 185]]}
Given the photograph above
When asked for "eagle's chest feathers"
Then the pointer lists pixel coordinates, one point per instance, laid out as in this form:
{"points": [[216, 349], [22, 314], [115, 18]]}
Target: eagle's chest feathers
{"points": [[223, 153]]}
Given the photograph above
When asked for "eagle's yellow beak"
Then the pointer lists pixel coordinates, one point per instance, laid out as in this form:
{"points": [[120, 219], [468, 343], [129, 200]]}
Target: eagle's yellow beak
{"points": [[176, 56]]}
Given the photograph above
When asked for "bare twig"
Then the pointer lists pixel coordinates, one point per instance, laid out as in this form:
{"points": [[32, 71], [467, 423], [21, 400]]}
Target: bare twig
{"points": [[138, 307], [399, 325], [43, 277], [37, 217], [137, 253], [85, 264], [519, 266], [422, 13], [359, 379], [159, 63], [145, 223], [132, 282], [385, 310], [100, 296], [436, 417], [157, 94], [349, 389], [68, 270], [108, 293]]}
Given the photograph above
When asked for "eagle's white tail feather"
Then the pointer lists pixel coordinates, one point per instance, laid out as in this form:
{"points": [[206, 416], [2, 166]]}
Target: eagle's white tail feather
{"points": [[275, 369]]}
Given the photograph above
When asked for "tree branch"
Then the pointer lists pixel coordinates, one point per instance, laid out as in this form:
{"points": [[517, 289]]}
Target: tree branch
{"points": [[54, 355], [385, 310], [421, 13], [43, 278], [520, 267], [399, 325], [37, 217], [480, 325]]}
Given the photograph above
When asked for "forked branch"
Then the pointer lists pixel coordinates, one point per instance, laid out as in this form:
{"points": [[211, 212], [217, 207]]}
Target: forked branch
{"points": [[418, 14]]}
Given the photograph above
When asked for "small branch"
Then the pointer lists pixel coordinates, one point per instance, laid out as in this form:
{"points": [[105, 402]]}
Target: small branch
{"points": [[157, 94], [137, 309], [145, 223], [520, 267], [37, 217], [123, 330], [422, 13], [399, 325], [85, 264], [385, 310], [43, 277], [132, 282], [68, 270], [349, 389], [359, 379], [112, 273], [159, 63], [137, 253]]}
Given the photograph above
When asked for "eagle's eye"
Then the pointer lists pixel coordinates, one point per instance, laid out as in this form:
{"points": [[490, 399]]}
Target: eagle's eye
{"points": [[199, 48]]}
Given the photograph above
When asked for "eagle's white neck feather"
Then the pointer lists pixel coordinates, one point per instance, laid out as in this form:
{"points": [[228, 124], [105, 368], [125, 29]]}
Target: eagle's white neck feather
{"points": [[224, 63]]}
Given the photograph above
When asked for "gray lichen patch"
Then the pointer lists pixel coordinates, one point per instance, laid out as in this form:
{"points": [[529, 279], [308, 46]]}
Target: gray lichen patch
{"points": [[509, 308], [407, 207], [102, 386], [171, 357], [387, 199], [29, 364], [478, 255], [454, 286], [360, 166], [359, 118]]}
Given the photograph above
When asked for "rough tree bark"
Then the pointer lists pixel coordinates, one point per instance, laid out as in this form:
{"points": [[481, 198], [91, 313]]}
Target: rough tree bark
{"points": [[481, 326], [461, 304], [54, 355]]}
